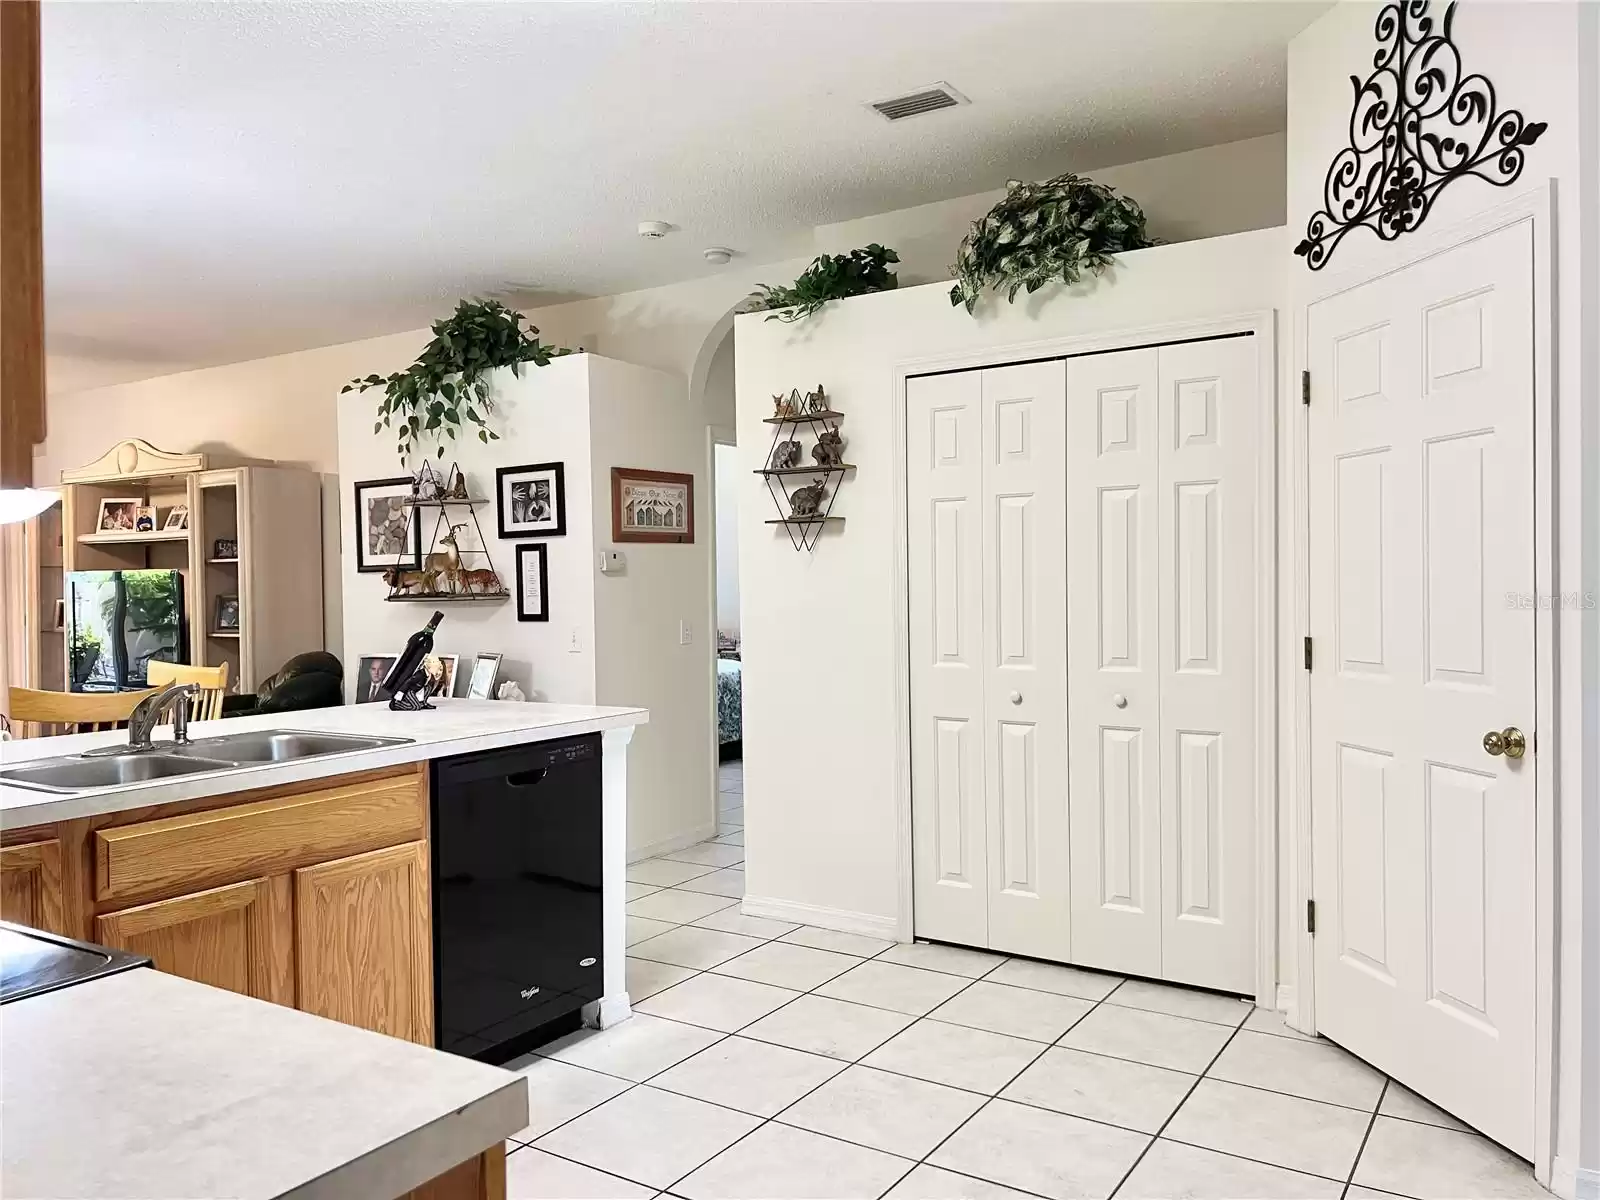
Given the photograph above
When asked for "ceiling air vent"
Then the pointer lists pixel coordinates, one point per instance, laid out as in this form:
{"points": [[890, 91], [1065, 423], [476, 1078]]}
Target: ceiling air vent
{"points": [[924, 100]]}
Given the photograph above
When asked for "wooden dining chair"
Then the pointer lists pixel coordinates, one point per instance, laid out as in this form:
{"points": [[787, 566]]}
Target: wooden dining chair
{"points": [[204, 705], [45, 714]]}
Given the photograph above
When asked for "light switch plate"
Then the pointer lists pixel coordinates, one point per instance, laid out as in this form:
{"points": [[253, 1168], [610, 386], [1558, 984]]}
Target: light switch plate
{"points": [[685, 634]]}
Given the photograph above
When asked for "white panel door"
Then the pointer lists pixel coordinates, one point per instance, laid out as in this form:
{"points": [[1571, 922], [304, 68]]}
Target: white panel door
{"points": [[944, 515], [1209, 410], [1421, 540], [1114, 689], [1025, 657]]}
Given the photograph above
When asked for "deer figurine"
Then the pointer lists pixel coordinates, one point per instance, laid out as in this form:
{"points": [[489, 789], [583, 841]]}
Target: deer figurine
{"points": [[448, 564]]}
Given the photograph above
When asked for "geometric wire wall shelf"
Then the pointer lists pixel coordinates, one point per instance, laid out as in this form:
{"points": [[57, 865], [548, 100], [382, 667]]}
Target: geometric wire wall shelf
{"points": [[805, 511], [451, 574]]}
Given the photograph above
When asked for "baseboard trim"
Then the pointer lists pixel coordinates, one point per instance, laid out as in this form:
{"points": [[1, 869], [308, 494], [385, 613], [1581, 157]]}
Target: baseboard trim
{"points": [[1285, 998], [841, 919], [1572, 1182], [607, 1011], [667, 845]]}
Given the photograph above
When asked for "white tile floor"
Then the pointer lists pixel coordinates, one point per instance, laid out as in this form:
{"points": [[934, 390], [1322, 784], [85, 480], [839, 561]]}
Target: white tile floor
{"points": [[767, 1059]]}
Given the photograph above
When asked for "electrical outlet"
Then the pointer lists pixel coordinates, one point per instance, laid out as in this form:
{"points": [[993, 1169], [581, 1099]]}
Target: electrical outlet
{"points": [[685, 634], [575, 641]]}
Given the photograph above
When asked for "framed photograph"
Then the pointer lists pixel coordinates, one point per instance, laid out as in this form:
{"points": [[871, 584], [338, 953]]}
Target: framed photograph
{"points": [[386, 536], [531, 500], [370, 672], [447, 685], [227, 614], [177, 517], [144, 518], [651, 506], [61, 615], [533, 583], [225, 548], [119, 515], [485, 671]]}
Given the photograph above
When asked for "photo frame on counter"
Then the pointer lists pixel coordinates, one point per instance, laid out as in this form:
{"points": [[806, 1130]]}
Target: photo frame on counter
{"points": [[651, 506], [485, 673], [533, 582], [531, 501], [386, 534], [371, 670]]}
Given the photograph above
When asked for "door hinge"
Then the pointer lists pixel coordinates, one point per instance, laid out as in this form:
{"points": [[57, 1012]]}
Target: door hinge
{"points": [[1305, 387], [1308, 654], [1311, 917]]}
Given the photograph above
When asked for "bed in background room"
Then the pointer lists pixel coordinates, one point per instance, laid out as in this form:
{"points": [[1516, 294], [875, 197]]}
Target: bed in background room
{"points": [[730, 721]]}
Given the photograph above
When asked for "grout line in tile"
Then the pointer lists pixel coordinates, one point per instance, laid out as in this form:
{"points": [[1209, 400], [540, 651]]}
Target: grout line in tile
{"points": [[1176, 1109], [1372, 1120]]}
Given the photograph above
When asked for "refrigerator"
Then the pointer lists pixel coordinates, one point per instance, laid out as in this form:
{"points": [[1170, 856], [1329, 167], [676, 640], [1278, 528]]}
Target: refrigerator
{"points": [[117, 622]]}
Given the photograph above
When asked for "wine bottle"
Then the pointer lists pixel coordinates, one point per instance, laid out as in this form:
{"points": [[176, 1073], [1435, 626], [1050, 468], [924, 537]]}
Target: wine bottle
{"points": [[418, 647]]}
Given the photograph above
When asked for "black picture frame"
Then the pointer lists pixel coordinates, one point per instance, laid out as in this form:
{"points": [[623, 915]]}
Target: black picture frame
{"points": [[539, 551], [506, 478], [367, 562]]}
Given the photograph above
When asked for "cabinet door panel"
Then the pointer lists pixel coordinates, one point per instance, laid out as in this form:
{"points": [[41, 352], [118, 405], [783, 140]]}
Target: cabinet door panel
{"points": [[235, 937], [363, 950], [30, 885]]}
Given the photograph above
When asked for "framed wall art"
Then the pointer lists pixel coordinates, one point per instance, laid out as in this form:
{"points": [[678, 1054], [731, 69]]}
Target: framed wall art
{"points": [[533, 583], [531, 501], [651, 506], [386, 536]]}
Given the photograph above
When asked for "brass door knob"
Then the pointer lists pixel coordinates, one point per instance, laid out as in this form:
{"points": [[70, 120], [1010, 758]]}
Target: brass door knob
{"points": [[1508, 741]]}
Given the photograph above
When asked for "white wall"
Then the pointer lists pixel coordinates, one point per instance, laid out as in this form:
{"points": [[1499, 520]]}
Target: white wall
{"points": [[643, 418], [542, 417], [727, 467], [820, 821], [1542, 59], [590, 414]]}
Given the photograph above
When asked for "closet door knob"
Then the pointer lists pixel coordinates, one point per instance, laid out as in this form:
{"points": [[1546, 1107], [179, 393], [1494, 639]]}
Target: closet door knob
{"points": [[1120, 700], [1016, 697]]}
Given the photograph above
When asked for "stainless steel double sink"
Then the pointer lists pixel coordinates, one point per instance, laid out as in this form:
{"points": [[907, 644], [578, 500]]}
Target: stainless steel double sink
{"points": [[99, 769]]}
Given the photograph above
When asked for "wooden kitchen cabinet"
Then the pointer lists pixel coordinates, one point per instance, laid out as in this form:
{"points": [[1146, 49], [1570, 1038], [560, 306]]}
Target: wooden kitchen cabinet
{"points": [[313, 895], [238, 937], [363, 941], [30, 885]]}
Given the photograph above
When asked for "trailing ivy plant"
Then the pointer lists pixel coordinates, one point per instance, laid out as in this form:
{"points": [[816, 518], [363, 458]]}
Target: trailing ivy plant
{"points": [[448, 383], [1040, 232], [831, 277]]}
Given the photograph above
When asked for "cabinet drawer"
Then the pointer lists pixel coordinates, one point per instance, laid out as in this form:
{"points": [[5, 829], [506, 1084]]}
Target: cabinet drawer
{"points": [[262, 837]]}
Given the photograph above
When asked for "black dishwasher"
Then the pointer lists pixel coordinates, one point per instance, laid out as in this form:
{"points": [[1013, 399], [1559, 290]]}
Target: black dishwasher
{"points": [[517, 921]]}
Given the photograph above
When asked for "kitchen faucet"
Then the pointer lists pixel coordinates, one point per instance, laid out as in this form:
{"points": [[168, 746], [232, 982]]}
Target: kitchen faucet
{"points": [[147, 715]]}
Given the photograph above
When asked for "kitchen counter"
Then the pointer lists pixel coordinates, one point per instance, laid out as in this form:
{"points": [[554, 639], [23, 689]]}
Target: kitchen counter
{"points": [[144, 1084], [454, 727]]}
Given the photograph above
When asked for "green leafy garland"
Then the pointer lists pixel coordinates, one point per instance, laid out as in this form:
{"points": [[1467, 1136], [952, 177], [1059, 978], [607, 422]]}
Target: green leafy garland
{"points": [[831, 277], [1040, 232], [448, 381]]}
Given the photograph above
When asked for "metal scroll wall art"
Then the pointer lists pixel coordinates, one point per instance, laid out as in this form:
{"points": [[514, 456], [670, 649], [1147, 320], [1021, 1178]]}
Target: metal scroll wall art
{"points": [[1418, 125]]}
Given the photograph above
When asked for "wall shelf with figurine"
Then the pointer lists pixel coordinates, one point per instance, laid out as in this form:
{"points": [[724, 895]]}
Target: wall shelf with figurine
{"points": [[804, 512], [456, 568]]}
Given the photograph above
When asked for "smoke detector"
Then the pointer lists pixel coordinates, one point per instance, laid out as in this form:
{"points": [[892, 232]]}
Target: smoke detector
{"points": [[654, 230], [717, 254], [923, 100]]}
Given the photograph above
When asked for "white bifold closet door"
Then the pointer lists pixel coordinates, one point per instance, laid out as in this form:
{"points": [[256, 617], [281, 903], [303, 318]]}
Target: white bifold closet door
{"points": [[987, 565], [1161, 583]]}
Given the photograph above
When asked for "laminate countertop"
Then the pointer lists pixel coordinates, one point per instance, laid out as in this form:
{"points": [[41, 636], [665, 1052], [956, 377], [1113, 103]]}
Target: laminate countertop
{"points": [[147, 1085], [454, 727]]}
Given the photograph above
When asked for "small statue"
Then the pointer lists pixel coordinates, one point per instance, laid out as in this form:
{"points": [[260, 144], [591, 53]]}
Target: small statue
{"points": [[829, 450], [815, 402], [782, 407], [484, 580], [509, 691], [426, 486], [785, 454], [457, 490], [804, 502]]}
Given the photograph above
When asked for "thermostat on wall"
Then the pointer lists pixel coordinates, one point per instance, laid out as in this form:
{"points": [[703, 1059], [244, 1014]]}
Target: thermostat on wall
{"points": [[612, 562]]}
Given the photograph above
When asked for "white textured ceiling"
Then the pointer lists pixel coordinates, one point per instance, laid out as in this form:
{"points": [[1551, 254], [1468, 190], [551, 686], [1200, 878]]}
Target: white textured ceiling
{"points": [[228, 180]]}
